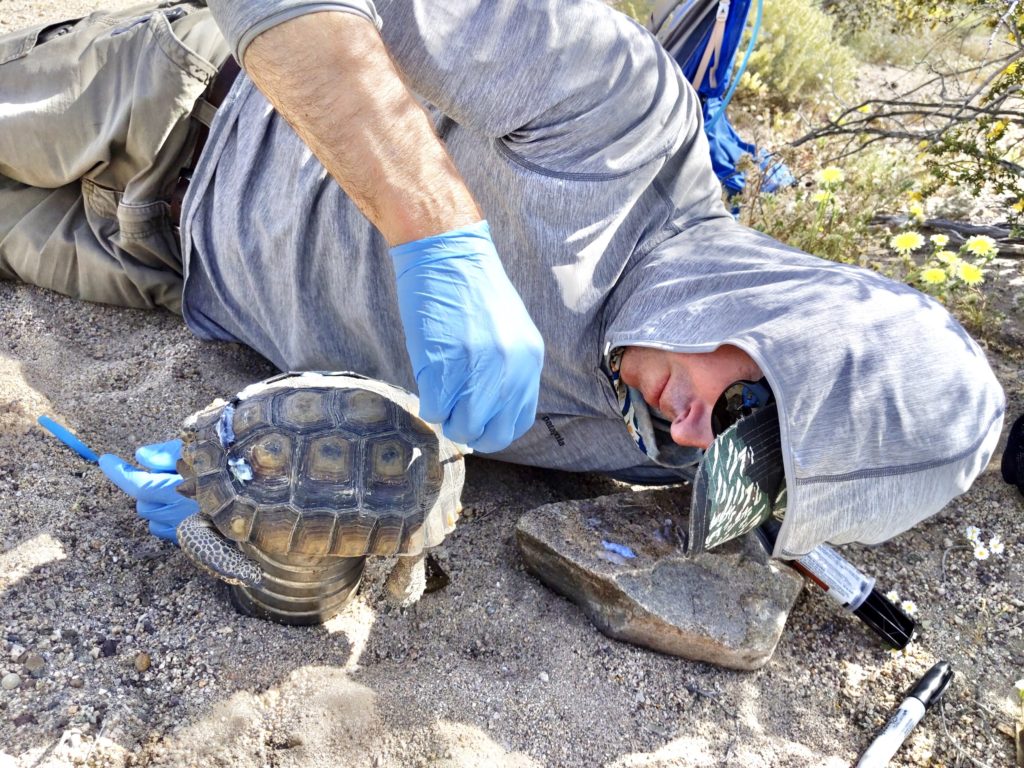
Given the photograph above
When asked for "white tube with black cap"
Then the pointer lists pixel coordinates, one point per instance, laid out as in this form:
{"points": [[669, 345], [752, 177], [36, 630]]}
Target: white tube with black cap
{"points": [[922, 696]]}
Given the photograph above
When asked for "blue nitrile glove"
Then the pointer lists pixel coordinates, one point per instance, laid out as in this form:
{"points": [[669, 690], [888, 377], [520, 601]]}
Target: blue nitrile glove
{"points": [[475, 351], [158, 502]]}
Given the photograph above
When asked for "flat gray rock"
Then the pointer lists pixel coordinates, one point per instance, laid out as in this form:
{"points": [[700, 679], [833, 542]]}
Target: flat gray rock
{"points": [[726, 607]]}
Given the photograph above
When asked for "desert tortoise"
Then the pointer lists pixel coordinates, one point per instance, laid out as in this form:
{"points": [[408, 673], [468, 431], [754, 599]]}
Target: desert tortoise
{"points": [[300, 476]]}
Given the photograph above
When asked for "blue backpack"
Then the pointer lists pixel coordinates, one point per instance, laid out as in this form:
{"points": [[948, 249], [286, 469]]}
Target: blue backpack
{"points": [[703, 37]]}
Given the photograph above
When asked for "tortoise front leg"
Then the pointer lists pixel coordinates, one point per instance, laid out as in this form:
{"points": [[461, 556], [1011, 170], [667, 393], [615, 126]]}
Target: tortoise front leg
{"points": [[214, 554]]}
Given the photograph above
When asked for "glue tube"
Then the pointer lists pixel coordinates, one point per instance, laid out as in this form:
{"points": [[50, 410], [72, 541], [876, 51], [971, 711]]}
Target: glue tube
{"points": [[846, 585], [922, 696]]}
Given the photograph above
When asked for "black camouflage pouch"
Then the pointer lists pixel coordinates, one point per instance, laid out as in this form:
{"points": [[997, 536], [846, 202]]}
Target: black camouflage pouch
{"points": [[740, 481], [1012, 465]]}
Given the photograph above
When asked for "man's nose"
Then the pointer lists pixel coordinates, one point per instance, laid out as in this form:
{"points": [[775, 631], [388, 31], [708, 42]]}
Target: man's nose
{"points": [[694, 428]]}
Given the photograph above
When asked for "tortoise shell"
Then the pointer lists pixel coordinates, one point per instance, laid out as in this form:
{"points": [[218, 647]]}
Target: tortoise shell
{"points": [[323, 465]]}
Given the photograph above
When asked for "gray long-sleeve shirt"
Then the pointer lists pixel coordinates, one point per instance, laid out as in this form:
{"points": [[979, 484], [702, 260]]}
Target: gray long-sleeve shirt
{"points": [[583, 145], [585, 174]]}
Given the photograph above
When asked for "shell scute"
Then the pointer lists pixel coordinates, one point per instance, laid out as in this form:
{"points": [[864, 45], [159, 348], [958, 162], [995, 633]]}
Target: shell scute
{"points": [[213, 492], [236, 520], [314, 533], [202, 456], [353, 534], [273, 530], [331, 458], [390, 485], [304, 410], [386, 538], [268, 453], [364, 412], [251, 415]]}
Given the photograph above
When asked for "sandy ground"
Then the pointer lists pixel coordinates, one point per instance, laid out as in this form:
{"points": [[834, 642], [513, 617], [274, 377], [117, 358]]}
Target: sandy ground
{"points": [[125, 655]]}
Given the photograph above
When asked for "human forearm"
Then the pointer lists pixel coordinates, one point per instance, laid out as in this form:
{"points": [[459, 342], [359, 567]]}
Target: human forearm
{"points": [[330, 77], [475, 352]]}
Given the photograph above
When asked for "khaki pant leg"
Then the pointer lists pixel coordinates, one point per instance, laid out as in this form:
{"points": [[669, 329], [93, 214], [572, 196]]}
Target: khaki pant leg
{"points": [[94, 128], [48, 240]]}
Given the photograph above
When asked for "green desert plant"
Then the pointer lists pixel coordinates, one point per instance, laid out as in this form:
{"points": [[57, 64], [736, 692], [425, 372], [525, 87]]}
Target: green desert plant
{"points": [[798, 58], [829, 212], [963, 113]]}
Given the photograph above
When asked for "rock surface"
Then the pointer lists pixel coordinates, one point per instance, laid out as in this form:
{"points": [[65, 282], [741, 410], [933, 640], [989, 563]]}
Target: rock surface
{"points": [[619, 558]]}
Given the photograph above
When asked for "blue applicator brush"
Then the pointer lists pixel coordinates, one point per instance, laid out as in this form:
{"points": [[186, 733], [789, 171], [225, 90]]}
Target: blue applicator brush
{"points": [[64, 435]]}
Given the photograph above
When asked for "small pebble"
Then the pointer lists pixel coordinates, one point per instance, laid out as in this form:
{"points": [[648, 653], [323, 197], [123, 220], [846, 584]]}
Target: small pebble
{"points": [[16, 651], [34, 663], [142, 662], [10, 681], [543, 677], [108, 647], [76, 682]]}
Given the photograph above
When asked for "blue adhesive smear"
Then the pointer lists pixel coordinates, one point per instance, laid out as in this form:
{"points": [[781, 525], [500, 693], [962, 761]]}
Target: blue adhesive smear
{"points": [[224, 430], [619, 549], [240, 469], [611, 557]]}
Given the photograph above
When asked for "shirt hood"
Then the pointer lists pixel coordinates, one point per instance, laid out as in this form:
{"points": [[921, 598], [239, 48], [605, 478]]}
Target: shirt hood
{"points": [[887, 408]]}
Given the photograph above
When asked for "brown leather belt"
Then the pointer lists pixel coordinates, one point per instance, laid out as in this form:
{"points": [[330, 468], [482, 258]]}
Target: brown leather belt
{"points": [[203, 113]]}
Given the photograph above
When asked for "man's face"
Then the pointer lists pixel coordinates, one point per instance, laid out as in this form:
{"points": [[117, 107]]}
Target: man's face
{"points": [[685, 386]]}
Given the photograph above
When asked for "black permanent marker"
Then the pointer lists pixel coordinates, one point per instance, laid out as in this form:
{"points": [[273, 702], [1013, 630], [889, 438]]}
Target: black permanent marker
{"points": [[928, 690]]}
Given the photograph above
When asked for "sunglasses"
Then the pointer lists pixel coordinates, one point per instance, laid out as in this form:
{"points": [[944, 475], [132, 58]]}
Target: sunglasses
{"points": [[739, 399]]}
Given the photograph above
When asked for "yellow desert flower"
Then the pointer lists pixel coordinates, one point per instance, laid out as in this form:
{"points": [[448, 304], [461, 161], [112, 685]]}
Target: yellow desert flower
{"points": [[864, 109], [981, 245], [947, 257], [934, 276], [831, 176], [822, 196], [969, 273], [1018, 206], [916, 212], [997, 130], [905, 242], [940, 240]]}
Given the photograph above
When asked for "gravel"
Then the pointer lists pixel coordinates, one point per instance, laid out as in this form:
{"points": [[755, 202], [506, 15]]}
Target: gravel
{"points": [[116, 652]]}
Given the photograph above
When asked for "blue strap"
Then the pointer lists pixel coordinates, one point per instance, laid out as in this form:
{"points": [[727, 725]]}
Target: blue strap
{"points": [[743, 66]]}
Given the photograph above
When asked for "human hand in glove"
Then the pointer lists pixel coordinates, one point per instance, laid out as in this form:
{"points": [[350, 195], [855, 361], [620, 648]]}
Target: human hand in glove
{"points": [[153, 487], [475, 352]]}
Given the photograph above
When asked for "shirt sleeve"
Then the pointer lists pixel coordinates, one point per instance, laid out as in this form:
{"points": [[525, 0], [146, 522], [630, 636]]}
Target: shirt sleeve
{"points": [[241, 21], [571, 86]]}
